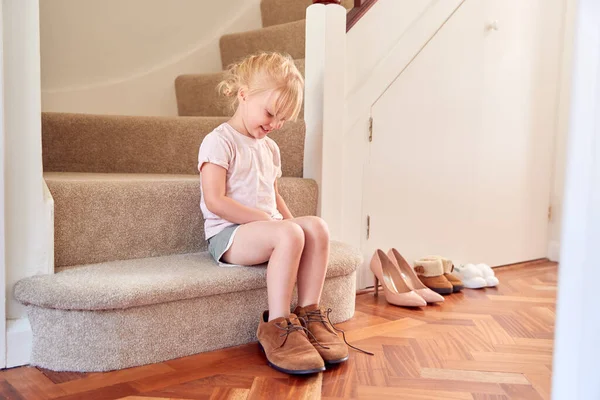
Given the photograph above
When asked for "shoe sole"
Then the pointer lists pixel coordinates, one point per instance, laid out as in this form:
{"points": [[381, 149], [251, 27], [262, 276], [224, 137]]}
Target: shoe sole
{"points": [[334, 362], [442, 290], [290, 371], [457, 288]]}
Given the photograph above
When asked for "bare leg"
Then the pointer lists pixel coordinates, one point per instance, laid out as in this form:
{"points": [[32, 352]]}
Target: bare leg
{"points": [[313, 264], [281, 244]]}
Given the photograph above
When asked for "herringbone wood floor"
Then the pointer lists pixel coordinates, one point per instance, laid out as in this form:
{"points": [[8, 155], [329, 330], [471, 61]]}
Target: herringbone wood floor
{"points": [[479, 344]]}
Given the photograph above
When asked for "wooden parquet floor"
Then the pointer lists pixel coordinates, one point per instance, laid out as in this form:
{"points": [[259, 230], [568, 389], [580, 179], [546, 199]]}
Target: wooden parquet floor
{"points": [[479, 344]]}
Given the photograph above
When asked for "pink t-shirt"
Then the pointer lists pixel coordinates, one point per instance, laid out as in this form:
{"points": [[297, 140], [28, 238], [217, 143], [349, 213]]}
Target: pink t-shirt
{"points": [[252, 166]]}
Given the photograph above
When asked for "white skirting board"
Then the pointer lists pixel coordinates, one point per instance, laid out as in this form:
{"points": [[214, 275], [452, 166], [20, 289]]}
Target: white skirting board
{"points": [[554, 251], [18, 342]]}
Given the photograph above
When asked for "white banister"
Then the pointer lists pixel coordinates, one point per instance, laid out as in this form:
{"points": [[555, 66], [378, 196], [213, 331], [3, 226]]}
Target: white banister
{"points": [[324, 107]]}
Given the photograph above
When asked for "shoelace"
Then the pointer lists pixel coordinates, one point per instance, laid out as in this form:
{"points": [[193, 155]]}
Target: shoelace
{"points": [[293, 328], [317, 316]]}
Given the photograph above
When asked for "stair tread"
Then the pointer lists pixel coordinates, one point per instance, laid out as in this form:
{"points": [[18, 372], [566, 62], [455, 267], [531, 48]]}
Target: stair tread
{"points": [[130, 177], [138, 282]]}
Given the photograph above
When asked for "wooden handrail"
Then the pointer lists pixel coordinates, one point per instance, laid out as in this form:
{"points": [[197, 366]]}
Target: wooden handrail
{"points": [[360, 8]]}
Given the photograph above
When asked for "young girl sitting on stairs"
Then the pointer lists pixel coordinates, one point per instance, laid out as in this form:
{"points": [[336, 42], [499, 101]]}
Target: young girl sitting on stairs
{"points": [[248, 223]]}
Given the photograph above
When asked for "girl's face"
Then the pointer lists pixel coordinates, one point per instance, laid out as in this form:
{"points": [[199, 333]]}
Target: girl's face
{"points": [[258, 114]]}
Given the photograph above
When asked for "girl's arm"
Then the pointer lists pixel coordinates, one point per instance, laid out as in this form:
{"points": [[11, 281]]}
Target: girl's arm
{"points": [[214, 188], [281, 206]]}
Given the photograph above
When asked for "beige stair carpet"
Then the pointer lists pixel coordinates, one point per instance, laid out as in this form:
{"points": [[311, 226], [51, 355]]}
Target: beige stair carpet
{"points": [[287, 38], [163, 145], [128, 313], [197, 94], [146, 281], [275, 12], [102, 217], [87, 341]]}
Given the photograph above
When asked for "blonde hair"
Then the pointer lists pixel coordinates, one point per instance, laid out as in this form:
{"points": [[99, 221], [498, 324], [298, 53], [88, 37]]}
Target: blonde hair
{"points": [[266, 71]]}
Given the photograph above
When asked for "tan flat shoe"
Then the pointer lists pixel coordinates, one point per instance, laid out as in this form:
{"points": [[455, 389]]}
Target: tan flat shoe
{"points": [[395, 288], [411, 277]]}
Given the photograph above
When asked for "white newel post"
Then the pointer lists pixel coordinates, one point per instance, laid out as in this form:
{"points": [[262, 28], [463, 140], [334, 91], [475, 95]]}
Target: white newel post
{"points": [[324, 107], [28, 224]]}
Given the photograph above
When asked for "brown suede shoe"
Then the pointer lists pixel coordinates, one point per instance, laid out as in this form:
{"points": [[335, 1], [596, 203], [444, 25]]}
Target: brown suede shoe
{"points": [[332, 349], [431, 273], [286, 346]]}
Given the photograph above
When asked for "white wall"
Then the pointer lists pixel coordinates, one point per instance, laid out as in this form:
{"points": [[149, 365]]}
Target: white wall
{"points": [[122, 57], [2, 237], [575, 372]]}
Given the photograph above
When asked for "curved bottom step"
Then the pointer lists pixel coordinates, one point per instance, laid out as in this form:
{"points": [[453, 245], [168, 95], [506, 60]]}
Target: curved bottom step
{"points": [[86, 341]]}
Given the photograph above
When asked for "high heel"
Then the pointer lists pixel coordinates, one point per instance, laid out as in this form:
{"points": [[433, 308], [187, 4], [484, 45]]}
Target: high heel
{"points": [[395, 288], [411, 277]]}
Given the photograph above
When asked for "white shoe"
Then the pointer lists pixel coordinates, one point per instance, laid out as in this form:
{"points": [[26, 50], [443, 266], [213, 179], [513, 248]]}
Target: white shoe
{"points": [[471, 276], [488, 274]]}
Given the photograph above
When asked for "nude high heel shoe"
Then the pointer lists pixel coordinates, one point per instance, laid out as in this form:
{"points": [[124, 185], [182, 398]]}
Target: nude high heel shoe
{"points": [[411, 277], [395, 289]]}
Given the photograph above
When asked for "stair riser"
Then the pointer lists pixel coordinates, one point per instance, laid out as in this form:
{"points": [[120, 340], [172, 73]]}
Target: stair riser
{"points": [[276, 12], [287, 38], [100, 220], [123, 144], [197, 95], [88, 341], [153, 145]]}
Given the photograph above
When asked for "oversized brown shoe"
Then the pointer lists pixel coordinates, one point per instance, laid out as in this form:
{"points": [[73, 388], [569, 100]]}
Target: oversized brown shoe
{"points": [[285, 344], [332, 349], [322, 334], [431, 273]]}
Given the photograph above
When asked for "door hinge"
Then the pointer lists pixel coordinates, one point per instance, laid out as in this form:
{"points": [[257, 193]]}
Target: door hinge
{"points": [[371, 129], [549, 213], [368, 226]]}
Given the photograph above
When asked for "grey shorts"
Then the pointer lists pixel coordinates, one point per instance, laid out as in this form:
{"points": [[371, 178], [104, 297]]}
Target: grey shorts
{"points": [[220, 243]]}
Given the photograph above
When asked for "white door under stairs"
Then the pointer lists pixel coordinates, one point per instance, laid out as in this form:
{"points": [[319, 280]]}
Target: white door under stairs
{"points": [[460, 162]]}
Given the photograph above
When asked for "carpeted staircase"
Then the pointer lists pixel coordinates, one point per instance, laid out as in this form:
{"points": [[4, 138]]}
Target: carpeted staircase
{"points": [[133, 283]]}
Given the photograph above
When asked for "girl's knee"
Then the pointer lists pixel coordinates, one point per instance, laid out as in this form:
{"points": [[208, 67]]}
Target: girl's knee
{"points": [[318, 228], [291, 233]]}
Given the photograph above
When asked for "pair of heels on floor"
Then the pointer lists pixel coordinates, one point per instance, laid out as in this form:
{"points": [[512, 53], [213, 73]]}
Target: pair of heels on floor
{"points": [[401, 285]]}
